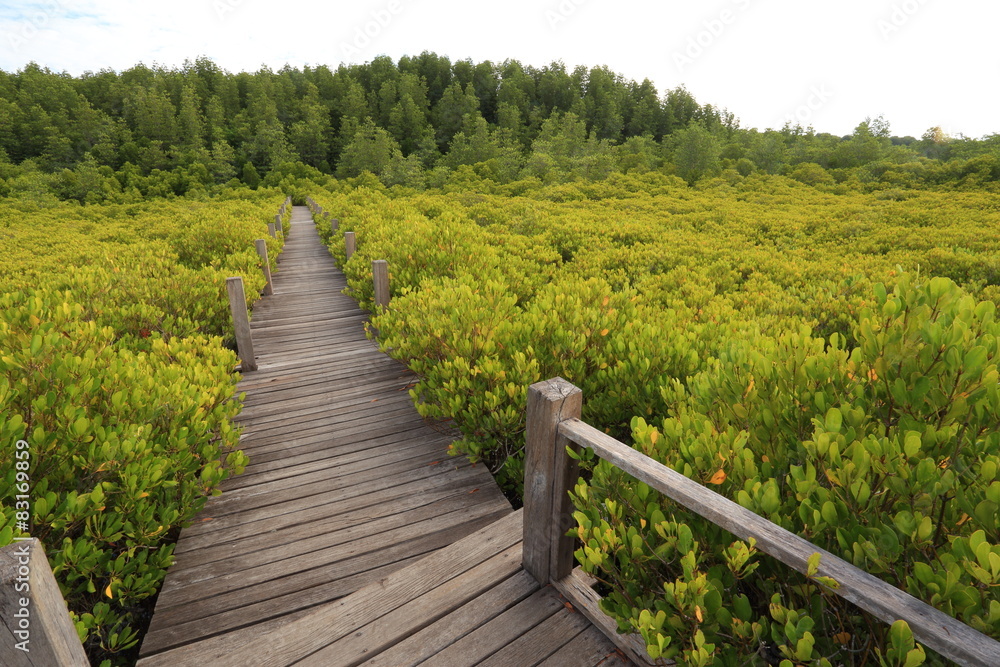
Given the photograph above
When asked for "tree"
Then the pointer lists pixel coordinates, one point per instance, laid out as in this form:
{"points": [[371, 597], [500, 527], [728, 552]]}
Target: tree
{"points": [[451, 111], [250, 175], [189, 120], [564, 150], [644, 111], [603, 102], [679, 109], [310, 135], [371, 149], [477, 143], [408, 125], [697, 154], [769, 151]]}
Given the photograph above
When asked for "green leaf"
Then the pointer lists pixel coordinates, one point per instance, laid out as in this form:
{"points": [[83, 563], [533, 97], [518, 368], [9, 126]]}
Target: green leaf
{"points": [[812, 565], [833, 421]]}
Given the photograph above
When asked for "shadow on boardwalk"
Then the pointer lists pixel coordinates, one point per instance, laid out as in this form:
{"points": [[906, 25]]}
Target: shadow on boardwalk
{"points": [[352, 537]]}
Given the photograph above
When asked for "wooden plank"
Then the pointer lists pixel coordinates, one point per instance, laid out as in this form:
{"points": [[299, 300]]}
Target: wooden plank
{"points": [[35, 627], [277, 477], [266, 647], [500, 631], [401, 623], [541, 641], [381, 511], [270, 614], [291, 569], [321, 506], [423, 645], [369, 519], [546, 502], [262, 518], [576, 587], [369, 429], [356, 393], [236, 609], [935, 629], [323, 482], [590, 647]]}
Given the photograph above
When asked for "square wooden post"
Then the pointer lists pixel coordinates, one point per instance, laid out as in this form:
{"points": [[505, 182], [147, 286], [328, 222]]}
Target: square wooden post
{"points": [[261, 246], [350, 245], [380, 278], [549, 474], [241, 323]]}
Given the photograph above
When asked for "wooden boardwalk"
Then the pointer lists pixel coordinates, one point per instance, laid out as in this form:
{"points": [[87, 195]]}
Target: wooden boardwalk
{"points": [[352, 537]]}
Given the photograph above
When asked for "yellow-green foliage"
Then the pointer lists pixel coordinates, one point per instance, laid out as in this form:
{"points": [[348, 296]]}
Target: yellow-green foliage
{"points": [[806, 353], [112, 369]]}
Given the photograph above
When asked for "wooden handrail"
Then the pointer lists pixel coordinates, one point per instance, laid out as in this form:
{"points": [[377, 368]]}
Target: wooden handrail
{"points": [[35, 626], [553, 424]]}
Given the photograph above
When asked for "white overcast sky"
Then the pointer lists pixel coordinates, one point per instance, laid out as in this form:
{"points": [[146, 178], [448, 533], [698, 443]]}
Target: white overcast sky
{"points": [[831, 63]]}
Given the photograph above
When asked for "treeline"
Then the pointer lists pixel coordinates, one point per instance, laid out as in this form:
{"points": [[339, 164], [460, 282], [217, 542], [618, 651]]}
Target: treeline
{"points": [[159, 132]]}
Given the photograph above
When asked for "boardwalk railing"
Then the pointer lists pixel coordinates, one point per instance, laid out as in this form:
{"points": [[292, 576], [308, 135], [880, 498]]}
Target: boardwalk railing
{"points": [[35, 627], [553, 425], [237, 295]]}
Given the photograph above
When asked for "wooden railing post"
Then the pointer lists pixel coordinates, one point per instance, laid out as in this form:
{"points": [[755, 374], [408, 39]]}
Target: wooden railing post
{"points": [[380, 278], [241, 323], [261, 246], [350, 245], [277, 225], [549, 474], [271, 231], [334, 224], [35, 627]]}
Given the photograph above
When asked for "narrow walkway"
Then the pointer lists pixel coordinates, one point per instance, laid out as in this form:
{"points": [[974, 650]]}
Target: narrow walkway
{"points": [[352, 529]]}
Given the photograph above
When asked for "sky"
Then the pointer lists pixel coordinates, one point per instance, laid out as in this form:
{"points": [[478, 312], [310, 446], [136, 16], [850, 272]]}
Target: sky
{"points": [[825, 64]]}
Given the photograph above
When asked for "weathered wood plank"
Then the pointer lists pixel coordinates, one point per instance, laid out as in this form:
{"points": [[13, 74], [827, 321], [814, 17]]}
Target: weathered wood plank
{"points": [[541, 641], [590, 647], [35, 627], [232, 610], [265, 647], [402, 622], [500, 631], [464, 619], [232, 526], [321, 507], [293, 569], [376, 515], [576, 587], [946, 635]]}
